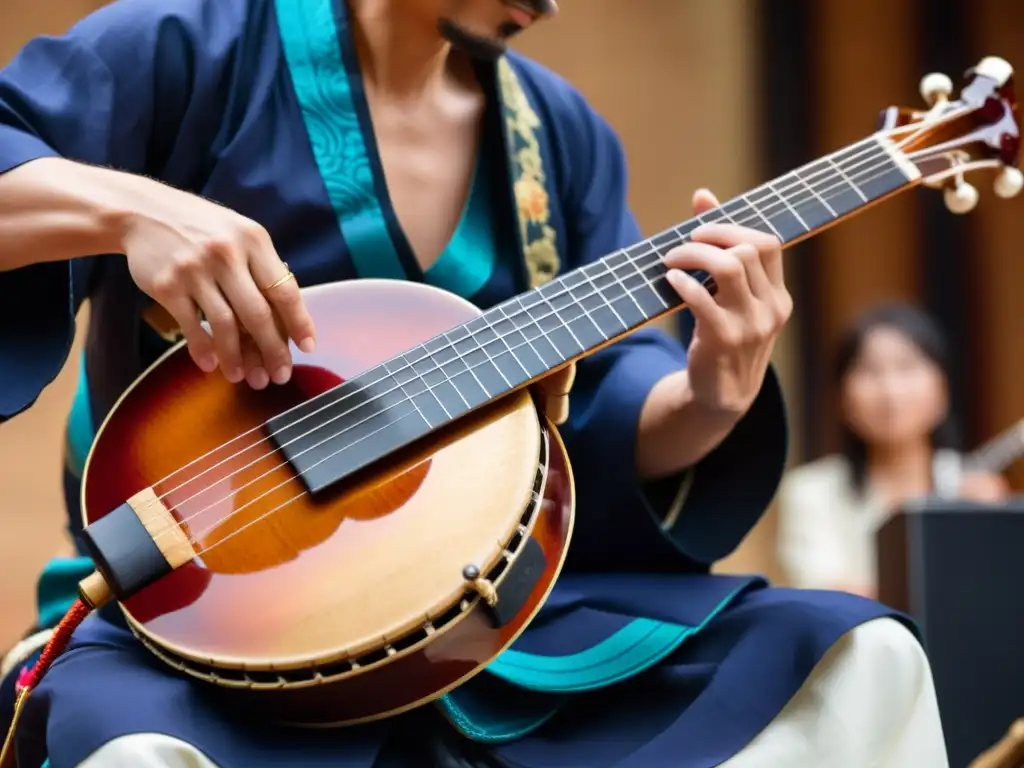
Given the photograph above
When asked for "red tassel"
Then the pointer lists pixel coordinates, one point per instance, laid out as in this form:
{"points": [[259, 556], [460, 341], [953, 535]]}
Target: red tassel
{"points": [[23, 678], [31, 676]]}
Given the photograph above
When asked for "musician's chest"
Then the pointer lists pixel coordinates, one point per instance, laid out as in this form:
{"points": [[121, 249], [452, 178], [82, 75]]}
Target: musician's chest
{"points": [[428, 163]]}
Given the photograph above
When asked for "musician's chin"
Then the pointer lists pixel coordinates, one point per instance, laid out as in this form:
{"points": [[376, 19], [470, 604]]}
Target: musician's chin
{"points": [[477, 46]]}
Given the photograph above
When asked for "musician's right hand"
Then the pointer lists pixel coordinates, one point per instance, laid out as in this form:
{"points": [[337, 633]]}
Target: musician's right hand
{"points": [[192, 255]]}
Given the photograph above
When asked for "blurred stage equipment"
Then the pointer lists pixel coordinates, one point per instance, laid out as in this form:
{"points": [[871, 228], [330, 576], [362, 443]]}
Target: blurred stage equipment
{"points": [[956, 568]]}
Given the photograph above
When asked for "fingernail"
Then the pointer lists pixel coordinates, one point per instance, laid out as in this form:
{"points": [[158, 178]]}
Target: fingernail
{"points": [[307, 345], [681, 278], [235, 375], [282, 374], [258, 378], [208, 364]]}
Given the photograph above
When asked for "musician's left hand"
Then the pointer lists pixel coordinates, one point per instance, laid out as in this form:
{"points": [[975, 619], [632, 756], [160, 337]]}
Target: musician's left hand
{"points": [[736, 329], [553, 392]]}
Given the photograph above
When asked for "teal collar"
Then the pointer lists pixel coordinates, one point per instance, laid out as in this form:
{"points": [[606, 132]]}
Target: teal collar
{"points": [[320, 53]]}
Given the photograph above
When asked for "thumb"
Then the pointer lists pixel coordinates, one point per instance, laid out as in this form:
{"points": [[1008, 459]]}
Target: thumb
{"points": [[703, 201]]}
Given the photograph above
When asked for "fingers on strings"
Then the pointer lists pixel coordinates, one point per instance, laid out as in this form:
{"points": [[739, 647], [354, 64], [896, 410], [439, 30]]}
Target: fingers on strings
{"points": [[247, 327]]}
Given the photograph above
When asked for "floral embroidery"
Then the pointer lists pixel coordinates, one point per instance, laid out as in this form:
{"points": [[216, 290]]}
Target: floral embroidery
{"points": [[532, 199], [537, 236], [530, 162], [542, 258]]}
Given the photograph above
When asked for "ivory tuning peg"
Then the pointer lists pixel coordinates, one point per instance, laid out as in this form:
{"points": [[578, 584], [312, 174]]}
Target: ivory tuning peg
{"points": [[935, 88], [995, 68], [1008, 182], [960, 198]]}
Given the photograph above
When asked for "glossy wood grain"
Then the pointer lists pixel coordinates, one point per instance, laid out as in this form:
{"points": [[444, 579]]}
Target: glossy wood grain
{"points": [[284, 581]]}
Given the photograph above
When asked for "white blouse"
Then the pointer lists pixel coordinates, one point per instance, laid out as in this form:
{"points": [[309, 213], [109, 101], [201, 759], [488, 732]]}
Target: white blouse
{"points": [[827, 530]]}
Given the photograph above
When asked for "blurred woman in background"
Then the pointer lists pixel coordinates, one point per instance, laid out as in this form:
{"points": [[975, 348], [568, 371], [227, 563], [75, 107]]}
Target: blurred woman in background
{"points": [[899, 442]]}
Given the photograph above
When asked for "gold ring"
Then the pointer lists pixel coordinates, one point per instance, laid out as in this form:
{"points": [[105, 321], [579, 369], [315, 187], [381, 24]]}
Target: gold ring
{"points": [[280, 281]]}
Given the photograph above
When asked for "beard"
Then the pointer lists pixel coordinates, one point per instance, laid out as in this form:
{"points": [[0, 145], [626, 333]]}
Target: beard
{"points": [[487, 47], [481, 47]]}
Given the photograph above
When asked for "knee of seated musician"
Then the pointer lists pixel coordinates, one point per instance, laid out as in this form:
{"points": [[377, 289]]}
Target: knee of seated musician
{"points": [[147, 750], [882, 649], [887, 639], [104, 671]]}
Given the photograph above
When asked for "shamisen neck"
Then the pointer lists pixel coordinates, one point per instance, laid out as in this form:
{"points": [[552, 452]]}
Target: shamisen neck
{"points": [[520, 340]]}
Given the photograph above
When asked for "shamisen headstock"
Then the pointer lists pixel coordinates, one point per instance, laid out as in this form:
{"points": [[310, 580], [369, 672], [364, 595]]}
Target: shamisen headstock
{"points": [[954, 137]]}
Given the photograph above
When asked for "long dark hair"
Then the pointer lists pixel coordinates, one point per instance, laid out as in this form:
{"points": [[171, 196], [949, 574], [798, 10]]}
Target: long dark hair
{"points": [[923, 332]]}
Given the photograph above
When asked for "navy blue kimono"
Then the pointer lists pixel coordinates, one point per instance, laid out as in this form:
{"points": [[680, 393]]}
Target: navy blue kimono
{"points": [[641, 657]]}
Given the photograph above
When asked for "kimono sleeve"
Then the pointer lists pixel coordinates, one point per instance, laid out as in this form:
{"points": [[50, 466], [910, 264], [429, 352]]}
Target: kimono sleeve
{"points": [[702, 513], [114, 91]]}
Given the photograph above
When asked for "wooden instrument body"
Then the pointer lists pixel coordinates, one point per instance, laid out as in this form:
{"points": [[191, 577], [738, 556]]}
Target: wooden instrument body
{"points": [[350, 606]]}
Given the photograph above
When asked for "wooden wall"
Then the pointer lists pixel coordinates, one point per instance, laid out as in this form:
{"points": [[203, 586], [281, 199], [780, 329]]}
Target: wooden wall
{"points": [[995, 263], [822, 64]]}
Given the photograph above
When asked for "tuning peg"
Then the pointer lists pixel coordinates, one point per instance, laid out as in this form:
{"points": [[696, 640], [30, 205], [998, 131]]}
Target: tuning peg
{"points": [[935, 88], [1008, 182], [995, 68], [960, 198]]}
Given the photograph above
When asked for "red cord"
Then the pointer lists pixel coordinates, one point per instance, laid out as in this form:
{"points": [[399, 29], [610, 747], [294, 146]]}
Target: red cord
{"points": [[31, 676]]}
